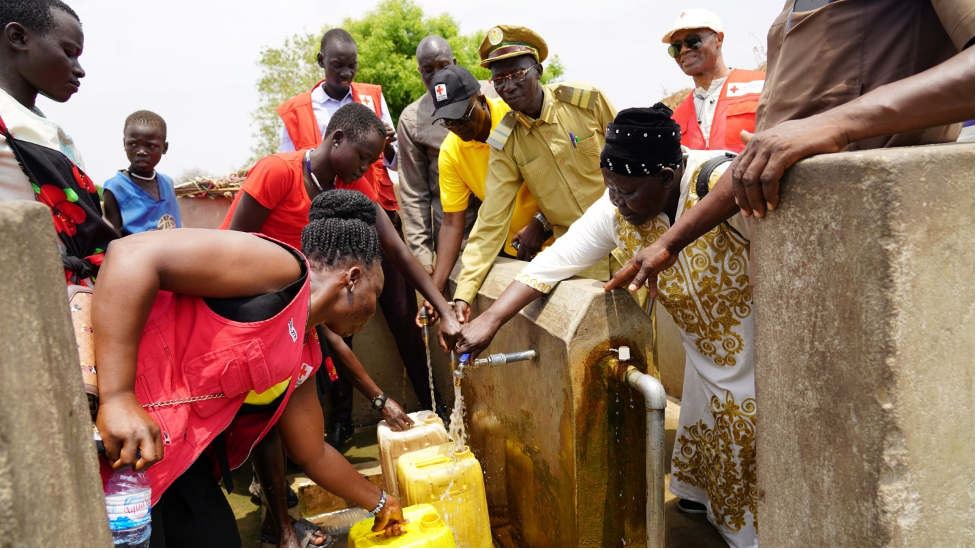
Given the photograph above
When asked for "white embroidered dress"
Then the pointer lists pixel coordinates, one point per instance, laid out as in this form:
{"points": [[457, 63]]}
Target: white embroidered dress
{"points": [[708, 295]]}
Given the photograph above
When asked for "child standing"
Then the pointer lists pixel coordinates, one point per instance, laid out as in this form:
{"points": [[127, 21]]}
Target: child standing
{"points": [[140, 198]]}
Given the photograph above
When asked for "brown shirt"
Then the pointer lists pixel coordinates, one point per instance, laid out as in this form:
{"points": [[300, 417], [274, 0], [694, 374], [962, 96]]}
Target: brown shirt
{"points": [[823, 58]]}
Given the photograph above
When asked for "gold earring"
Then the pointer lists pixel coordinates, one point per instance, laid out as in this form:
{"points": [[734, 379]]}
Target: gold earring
{"points": [[351, 287]]}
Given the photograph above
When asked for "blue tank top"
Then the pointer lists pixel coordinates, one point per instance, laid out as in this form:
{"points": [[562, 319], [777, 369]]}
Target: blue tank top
{"points": [[140, 211]]}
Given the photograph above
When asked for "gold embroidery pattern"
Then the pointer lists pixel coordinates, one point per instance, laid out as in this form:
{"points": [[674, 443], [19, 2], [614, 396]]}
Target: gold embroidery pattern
{"points": [[708, 290], [533, 282], [633, 238], [722, 460]]}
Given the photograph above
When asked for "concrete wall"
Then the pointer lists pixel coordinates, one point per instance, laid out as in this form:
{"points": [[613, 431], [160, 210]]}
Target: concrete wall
{"points": [[50, 491], [560, 443], [865, 351]]}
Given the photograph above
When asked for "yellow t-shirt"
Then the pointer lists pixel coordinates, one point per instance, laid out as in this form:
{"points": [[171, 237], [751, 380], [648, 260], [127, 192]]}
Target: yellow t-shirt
{"points": [[463, 166]]}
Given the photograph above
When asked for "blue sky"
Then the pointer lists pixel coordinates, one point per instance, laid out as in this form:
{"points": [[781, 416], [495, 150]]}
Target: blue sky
{"points": [[194, 62]]}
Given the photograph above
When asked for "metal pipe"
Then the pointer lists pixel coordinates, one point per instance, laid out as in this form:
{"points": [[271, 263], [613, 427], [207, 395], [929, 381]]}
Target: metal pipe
{"points": [[499, 359], [655, 402]]}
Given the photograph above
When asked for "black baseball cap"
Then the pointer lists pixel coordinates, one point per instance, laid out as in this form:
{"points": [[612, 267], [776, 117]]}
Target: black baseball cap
{"points": [[451, 90]]}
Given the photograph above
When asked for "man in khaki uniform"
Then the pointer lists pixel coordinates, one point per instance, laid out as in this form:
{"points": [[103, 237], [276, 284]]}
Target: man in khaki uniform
{"points": [[551, 140]]}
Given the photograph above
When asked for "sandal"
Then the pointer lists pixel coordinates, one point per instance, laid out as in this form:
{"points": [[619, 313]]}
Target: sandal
{"points": [[305, 530]]}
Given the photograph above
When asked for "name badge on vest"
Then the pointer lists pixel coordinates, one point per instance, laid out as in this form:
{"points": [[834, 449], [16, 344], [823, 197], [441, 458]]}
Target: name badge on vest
{"points": [[737, 89], [367, 100], [291, 331]]}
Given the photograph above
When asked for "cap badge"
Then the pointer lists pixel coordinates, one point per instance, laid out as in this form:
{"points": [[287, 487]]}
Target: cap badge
{"points": [[495, 36], [441, 92]]}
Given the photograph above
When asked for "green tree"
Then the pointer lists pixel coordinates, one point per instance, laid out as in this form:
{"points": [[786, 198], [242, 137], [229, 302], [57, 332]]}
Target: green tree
{"points": [[386, 39]]}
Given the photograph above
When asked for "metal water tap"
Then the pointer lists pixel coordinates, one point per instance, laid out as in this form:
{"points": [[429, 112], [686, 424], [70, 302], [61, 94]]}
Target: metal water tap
{"points": [[425, 330], [623, 366], [456, 366], [493, 360]]}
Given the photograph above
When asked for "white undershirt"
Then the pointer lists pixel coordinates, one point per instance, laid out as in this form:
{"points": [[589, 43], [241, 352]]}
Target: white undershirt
{"points": [[705, 105], [324, 106]]}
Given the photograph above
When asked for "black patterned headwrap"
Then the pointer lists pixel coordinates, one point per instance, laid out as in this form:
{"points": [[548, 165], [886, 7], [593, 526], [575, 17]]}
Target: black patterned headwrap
{"points": [[641, 141]]}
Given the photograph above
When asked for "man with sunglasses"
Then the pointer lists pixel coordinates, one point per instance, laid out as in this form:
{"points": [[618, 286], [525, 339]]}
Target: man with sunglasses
{"points": [[550, 141], [724, 100]]}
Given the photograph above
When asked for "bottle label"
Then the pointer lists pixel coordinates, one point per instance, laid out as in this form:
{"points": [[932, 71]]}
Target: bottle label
{"points": [[128, 511]]}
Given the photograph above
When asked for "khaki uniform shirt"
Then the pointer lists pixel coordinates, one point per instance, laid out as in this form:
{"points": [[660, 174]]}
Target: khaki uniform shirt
{"points": [[823, 58], [563, 177]]}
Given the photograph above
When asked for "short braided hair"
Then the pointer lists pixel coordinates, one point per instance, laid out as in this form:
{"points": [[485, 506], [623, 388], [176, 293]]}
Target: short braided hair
{"points": [[146, 118], [34, 15], [342, 227], [355, 120]]}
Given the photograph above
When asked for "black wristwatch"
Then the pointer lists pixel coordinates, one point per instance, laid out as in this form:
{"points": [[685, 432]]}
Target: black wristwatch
{"points": [[378, 402]]}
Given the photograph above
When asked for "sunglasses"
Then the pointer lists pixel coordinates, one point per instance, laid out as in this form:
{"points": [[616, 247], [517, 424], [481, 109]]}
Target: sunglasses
{"points": [[692, 42], [447, 123], [514, 77]]}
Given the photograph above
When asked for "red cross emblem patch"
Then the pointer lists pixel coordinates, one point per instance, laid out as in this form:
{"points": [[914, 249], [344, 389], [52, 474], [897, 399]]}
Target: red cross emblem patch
{"points": [[441, 92]]}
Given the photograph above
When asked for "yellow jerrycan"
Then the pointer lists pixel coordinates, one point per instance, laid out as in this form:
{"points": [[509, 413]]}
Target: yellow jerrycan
{"points": [[427, 431], [425, 530], [452, 482]]}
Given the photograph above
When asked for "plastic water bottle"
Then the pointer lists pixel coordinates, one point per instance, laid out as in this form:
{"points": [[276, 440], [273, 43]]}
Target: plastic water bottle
{"points": [[127, 500]]}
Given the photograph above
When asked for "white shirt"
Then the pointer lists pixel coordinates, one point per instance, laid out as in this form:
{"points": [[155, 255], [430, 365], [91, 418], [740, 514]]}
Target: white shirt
{"points": [[32, 127], [324, 107], [598, 232], [704, 102]]}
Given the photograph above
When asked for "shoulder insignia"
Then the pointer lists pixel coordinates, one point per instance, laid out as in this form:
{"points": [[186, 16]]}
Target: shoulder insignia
{"points": [[500, 134], [580, 97]]}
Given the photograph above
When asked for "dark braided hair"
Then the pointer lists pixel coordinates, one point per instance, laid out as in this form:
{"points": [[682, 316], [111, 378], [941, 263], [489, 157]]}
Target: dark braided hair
{"points": [[146, 118], [355, 120], [34, 15], [342, 227]]}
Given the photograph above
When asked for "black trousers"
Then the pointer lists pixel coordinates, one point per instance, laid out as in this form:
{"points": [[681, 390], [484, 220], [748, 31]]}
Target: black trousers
{"points": [[194, 512], [399, 305]]}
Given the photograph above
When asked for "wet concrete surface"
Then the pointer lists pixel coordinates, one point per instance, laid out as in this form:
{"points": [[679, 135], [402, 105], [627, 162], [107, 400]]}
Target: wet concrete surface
{"points": [[684, 530]]}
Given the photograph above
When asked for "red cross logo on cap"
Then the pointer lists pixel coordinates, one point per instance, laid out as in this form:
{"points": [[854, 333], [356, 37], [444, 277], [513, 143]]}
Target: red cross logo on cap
{"points": [[441, 92], [681, 16]]}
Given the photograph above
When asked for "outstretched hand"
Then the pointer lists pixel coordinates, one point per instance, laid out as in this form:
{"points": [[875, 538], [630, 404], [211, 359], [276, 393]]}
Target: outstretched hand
{"points": [[395, 416], [131, 437], [644, 267], [390, 520], [529, 240], [476, 336], [432, 314], [448, 333], [768, 154]]}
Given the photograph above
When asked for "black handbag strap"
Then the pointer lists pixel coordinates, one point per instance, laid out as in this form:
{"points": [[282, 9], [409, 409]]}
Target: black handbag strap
{"points": [[702, 182]]}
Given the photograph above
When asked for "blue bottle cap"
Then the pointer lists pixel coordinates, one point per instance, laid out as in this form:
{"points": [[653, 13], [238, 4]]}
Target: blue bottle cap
{"points": [[464, 357]]}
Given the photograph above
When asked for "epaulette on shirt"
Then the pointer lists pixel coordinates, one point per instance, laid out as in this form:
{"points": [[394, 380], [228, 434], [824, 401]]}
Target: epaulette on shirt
{"points": [[580, 97], [500, 135]]}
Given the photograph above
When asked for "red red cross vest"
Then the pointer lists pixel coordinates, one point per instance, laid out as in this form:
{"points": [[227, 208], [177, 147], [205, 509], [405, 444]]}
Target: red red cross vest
{"points": [[303, 129], [188, 350], [735, 111]]}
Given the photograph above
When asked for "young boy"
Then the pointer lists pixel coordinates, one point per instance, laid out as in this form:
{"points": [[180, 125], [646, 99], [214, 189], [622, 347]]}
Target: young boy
{"points": [[39, 51], [139, 198]]}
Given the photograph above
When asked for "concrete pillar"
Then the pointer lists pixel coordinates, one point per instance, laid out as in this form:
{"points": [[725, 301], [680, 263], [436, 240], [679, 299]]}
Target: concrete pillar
{"points": [[50, 491], [561, 444], [865, 351]]}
